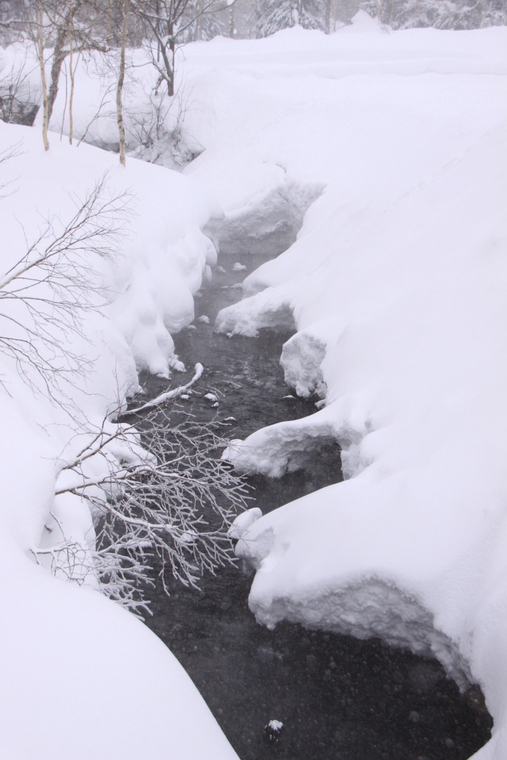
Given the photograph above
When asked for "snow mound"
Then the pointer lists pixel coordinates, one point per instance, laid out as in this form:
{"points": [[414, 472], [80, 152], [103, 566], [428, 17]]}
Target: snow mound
{"points": [[272, 219], [301, 359], [265, 310], [286, 446], [362, 23]]}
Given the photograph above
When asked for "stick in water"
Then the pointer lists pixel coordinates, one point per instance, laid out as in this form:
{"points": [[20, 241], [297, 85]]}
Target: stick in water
{"points": [[168, 395]]}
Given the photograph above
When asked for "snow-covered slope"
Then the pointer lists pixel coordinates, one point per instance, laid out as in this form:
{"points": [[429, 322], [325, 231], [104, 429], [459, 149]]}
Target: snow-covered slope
{"points": [[81, 677], [397, 288]]}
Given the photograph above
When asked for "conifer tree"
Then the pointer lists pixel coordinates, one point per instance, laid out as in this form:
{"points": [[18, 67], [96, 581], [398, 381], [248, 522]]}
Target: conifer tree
{"points": [[274, 15]]}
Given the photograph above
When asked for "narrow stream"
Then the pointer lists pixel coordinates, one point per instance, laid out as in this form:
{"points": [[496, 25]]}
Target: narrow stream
{"points": [[337, 697]]}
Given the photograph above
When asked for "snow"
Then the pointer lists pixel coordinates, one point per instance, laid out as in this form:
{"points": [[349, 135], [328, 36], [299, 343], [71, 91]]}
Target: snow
{"points": [[244, 521], [82, 677], [396, 287], [379, 159]]}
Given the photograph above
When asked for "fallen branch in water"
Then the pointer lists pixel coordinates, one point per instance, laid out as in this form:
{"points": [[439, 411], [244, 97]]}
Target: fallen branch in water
{"points": [[167, 396]]}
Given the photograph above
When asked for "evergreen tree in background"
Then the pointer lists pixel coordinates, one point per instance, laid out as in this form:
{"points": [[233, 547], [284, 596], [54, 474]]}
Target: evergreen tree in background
{"points": [[439, 14], [273, 15]]}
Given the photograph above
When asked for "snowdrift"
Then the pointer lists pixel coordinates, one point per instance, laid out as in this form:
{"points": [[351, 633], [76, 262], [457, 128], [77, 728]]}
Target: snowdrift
{"points": [[396, 285]]}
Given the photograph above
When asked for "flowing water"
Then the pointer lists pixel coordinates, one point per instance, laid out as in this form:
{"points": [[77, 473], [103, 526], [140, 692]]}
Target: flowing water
{"points": [[338, 698]]}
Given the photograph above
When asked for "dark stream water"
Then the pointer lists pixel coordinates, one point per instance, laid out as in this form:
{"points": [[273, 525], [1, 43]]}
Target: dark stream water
{"points": [[338, 698]]}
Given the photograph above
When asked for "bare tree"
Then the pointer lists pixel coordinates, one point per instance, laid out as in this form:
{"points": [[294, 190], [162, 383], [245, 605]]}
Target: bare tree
{"points": [[168, 23], [61, 29], [162, 493], [45, 295], [18, 103], [156, 488]]}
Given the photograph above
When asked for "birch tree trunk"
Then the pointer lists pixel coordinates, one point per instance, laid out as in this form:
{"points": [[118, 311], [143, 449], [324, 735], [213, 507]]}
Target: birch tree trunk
{"points": [[121, 80], [42, 65], [71, 68]]}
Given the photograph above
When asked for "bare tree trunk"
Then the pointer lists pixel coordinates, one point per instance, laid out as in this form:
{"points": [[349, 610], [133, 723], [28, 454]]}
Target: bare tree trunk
{"points": [[198, 21], [329, 17], [232, 21], [172, 45], [56, 67], [109, 22], [40, 52], [121, 80], [71, 96]]}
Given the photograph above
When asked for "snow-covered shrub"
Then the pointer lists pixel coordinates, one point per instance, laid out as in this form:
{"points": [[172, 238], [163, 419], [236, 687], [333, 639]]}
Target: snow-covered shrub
{"points": [[157, 134], [161, 493]]}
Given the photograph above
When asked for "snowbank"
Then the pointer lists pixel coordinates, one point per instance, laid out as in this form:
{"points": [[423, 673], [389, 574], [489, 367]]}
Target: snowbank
{"points": [[396, 285], [162, 252], [81, 677]]}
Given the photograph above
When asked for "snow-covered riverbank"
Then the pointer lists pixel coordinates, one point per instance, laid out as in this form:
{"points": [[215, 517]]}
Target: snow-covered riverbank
{"points": [[81, 677], [399, 276]]}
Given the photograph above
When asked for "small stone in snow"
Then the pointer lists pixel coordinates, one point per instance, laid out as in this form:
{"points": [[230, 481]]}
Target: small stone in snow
{"points": [[221, 270], [290, 396], [272, 731], [191, 327], [215, 405], [204, 319], [211, 397], [238, 267], [230, 419], [184, 396]]}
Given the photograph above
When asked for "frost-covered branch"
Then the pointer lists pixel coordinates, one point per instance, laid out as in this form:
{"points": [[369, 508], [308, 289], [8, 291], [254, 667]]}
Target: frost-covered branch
{"points": [[168, 395], [159, 494]]}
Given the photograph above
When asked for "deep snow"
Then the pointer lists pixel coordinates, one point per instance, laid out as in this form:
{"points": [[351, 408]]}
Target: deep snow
{"points": [[81, 677], [396, 286]]}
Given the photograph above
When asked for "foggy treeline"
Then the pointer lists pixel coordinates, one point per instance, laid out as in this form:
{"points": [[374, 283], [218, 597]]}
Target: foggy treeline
{"points": [[205, 19]]}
